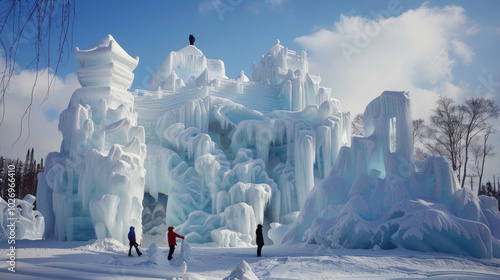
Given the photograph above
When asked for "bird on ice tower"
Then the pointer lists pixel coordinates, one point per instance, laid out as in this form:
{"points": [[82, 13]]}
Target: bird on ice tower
{"points": [[191, 39]]}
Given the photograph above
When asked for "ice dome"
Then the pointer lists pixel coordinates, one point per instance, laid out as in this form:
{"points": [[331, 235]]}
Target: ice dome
{"points": [[191, 50], [188, 63], [242, 77]]}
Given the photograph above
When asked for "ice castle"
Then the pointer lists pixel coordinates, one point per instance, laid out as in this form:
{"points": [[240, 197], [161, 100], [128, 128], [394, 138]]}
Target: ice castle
{"points": [[210, 155], [214, 157]]}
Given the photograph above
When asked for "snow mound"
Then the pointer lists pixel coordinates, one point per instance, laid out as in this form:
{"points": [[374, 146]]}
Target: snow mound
{"points": [[156, 256], [106, 245], [184, 256], [242, 272], [192, 276]]}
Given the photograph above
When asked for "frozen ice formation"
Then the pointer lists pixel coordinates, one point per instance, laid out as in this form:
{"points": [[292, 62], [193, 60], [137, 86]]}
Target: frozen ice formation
{"points": [[156, 256], [184, 64], [377, 195], [242, 271], [29, 223], [184, 256], [231, 154], [94, 187], [223, 155], [214, 157]]}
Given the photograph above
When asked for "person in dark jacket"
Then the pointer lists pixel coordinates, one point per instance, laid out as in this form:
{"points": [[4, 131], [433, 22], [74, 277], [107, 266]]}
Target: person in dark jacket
{"points": [[131, 238], [171, 241], [260, 240]]}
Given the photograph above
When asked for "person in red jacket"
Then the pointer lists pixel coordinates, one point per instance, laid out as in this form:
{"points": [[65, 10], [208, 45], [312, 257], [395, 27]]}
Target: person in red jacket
{"points": [[171, 241]]}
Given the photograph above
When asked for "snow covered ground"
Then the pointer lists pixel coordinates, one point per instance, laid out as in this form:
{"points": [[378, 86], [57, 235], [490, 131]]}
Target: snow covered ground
{"points": [[37, 259]]}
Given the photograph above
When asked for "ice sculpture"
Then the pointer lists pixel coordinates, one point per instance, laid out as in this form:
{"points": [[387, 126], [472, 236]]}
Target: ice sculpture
{"points": [[156, 256], [94, 186], [230, 154], [29, 223], [184, 64], [222, 154], [377, 196]]}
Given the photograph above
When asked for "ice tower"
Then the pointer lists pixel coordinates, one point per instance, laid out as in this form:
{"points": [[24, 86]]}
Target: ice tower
{"points": [[283, 68], [94, 186]]}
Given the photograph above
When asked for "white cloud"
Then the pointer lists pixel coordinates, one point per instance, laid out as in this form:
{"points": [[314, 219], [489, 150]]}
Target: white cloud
{"points": [[205, 6], [414, 51], [43, 132], [463, 51], [274, 3]]}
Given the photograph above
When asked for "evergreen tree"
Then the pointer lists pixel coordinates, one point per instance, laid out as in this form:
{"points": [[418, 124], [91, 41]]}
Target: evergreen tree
{"points": [[2, 163], [482, 190], [32, 157], [489, 189], [23, 185], [25, 175], [19, 178]]}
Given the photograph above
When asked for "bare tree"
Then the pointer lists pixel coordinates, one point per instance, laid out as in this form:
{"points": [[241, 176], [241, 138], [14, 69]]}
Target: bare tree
{"points": [[485, 150], [476, 150], [34, 23], [443, 137], [421, 154], [418, 128], [357, 125], [477, 111]]}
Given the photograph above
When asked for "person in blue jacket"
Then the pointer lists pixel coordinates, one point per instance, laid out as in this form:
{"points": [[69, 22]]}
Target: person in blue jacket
{"points": [[131, 238]]}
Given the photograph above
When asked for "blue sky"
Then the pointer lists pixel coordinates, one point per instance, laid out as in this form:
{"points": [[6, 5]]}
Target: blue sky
{"points": [[429, 48], [239, 31]]}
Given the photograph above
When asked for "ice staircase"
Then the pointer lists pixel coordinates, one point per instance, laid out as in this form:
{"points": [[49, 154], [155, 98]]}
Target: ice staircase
{"points": [[262, 98], [79, 227], [150, 108]]}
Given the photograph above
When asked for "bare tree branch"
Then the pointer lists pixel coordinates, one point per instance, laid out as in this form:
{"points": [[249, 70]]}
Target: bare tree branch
{"points": [[477, 112], [32, 23], [357, 125]]}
